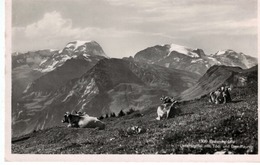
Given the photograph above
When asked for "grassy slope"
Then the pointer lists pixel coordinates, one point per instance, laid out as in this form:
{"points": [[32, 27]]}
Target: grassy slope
{"points": [[198, 120], [215, 77]]}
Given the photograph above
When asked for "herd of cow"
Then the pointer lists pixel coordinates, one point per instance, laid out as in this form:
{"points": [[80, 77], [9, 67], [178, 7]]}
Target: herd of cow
{"points": [[164, 111], [167, 108]]}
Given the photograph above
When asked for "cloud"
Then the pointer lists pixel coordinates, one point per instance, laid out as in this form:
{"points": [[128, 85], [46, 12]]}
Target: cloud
{"points": [[154, 17], [198, 17], [47, 32], [52, 29], [138, 3], [52, 24], [228, 27], [135, 23]]}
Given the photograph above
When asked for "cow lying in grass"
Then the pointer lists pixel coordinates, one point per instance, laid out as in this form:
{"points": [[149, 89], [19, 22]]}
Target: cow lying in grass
{"points": [[82, 121], [165, 110], [220, 96]]}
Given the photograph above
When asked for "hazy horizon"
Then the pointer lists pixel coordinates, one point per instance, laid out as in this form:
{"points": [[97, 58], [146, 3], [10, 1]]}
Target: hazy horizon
{"points": [[124, 27]]}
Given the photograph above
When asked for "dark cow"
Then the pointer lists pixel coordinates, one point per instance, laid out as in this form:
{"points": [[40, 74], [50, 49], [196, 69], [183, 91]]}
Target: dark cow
{"points": [[222, 95], [82, 121], [227, 95]]}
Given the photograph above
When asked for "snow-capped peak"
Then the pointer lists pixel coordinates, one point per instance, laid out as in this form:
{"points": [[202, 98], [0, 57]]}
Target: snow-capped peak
{"points": [[50, 50], [183, 50], [221, 52], [53, 50], [76, 44]]}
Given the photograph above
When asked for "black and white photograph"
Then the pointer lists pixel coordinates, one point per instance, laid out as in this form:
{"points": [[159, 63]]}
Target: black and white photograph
{"points": [[133, 77]]}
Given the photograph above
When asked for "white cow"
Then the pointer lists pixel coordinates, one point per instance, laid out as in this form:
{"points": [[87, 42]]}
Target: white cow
{"points": [[164, 110], [82, 121]]}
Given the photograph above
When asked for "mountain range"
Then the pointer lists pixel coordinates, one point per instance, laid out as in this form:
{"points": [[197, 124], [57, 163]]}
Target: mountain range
{"points": [[192, 60], [81, 77]]}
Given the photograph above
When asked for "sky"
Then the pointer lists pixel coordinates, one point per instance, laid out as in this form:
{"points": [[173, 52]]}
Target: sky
{"points": [[125, 27]]}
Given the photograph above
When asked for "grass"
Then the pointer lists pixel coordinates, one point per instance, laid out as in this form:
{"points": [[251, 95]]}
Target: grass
{"points": [[198, 128]]}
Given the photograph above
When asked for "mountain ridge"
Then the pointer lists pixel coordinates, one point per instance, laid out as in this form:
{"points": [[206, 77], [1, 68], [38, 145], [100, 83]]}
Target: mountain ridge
{"points": [[54, 64], [193, 60]]}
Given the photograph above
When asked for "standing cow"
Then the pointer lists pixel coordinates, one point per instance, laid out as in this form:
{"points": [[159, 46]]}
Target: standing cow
{"points": [[227, 94]]}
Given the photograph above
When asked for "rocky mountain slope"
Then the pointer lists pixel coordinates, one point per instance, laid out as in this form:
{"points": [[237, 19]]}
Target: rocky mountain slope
{"points": [[24, 69], [36, 69], [193, 60], [31, 58], [109, 86]]}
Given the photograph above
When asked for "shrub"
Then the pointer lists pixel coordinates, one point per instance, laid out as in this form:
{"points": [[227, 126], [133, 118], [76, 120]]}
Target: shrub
{"points": [[131, 110], [100, 118], [121, 113], [134, 115], [112, 114]]}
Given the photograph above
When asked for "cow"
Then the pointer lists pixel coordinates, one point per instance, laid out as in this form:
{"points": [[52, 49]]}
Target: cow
{"points": [[220, 96], [216, 97], [167, 99], [227, 95], [164, 110], [82, 121], [80, 113]]}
